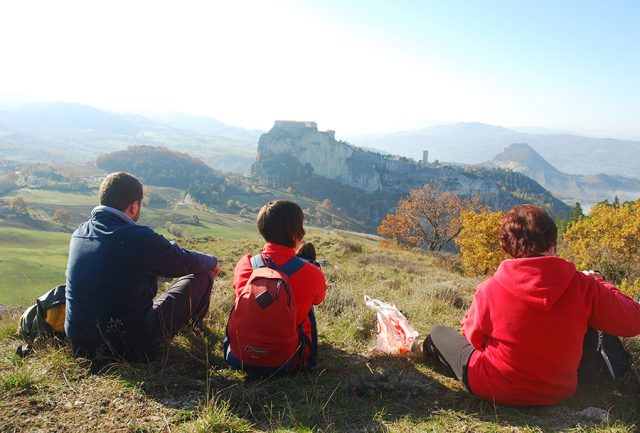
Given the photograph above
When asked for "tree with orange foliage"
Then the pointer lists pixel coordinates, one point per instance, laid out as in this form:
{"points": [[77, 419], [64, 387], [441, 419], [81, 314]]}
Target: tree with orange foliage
{"points": [[427, 218]]}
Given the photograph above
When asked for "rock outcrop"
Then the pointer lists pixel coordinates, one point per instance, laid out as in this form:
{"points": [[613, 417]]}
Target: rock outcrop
{"points": [[329, 158], [368, 184]]}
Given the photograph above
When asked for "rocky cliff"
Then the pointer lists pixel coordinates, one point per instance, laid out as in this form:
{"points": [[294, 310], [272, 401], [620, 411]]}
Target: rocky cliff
{"points": [[367, 184]]}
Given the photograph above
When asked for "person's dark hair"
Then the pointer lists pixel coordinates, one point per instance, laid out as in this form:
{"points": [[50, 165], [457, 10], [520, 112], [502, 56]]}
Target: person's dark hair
{"points": [[307, 251], [119, 190], [280, 222], [527, 231]]}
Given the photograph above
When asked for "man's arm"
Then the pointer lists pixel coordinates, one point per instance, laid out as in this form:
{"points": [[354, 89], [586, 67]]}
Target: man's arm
{"points": [[167, 259]]}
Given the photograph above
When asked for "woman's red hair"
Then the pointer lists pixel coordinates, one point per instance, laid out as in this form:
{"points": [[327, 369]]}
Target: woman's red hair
{"points": [[527, 231]]}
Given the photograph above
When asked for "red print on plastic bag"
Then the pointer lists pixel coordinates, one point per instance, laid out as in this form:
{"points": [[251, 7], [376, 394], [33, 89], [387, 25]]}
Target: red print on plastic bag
{"points": [[395, 334]]}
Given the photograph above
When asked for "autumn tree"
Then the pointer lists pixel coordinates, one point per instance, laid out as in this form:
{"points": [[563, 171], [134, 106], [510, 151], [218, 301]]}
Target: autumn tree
{"points": [[479, 243], [18, 205], [8, 182], [608, 239], [428, 218], [62, 216]]}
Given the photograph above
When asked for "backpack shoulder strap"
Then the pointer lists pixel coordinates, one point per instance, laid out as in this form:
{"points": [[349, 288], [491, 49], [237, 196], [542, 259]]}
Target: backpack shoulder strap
{"points": [[292, 266], [257, 261]]}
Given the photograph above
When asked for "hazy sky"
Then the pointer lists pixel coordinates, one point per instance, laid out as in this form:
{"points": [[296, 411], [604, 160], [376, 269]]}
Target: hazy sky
{"points": [[353, 66]]}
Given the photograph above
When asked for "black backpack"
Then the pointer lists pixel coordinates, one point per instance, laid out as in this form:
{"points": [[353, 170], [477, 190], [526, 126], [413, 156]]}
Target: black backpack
{"points": [[43, 319], [603, 356]]}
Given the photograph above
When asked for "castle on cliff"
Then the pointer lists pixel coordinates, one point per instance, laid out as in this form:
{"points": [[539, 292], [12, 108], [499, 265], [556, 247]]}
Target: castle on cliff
{"points": [[301, 126]]}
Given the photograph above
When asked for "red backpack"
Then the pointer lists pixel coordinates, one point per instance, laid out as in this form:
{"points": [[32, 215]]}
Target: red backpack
{"points": [[262, 335]]}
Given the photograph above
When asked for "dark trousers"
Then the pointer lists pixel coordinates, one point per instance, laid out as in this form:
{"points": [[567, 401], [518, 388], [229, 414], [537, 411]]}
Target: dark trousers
{"points": [[185, 303], [451, 350]]}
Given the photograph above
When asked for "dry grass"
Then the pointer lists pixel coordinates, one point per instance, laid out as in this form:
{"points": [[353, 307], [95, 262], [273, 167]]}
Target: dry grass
{"points": [[190, 389]]}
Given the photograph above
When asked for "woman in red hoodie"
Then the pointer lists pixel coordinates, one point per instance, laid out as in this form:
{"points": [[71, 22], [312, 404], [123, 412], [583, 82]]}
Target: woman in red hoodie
{"points": [[523, 335]]}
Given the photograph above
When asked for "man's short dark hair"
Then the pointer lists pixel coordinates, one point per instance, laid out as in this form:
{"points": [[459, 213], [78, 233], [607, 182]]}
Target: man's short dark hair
{"points": [[119, 190], [280, 222], [527, 231]]}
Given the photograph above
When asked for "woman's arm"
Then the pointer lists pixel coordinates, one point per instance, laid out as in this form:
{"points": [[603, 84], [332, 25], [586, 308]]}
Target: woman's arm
{"points": [[472, 322], [612, 311]]}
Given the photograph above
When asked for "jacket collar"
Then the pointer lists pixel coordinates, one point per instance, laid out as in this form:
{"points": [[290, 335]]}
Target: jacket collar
{"points": [[123, 216], [276, 251]]}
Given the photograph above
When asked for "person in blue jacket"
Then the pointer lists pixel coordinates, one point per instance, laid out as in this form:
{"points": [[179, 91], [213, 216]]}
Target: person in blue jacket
{"points": [[112, 281]]}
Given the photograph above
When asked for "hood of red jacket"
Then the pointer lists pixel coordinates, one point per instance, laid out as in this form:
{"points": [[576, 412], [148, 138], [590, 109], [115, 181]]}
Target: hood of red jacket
{"points": [[539, 281]]}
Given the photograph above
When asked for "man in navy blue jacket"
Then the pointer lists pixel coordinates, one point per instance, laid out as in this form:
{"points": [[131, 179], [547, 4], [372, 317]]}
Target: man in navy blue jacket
{"points": [[112, 279]]}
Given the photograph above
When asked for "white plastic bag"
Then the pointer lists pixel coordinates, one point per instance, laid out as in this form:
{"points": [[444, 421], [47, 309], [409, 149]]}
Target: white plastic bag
{"points": [[395, 334]]}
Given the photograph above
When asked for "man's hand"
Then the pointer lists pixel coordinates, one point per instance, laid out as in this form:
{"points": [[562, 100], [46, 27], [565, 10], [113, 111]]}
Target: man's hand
{"points": [[595, 274], [216, 270]]}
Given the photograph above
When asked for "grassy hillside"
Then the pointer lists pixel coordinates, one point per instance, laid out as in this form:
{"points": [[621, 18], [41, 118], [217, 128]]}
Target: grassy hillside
{"points": [[31, 262], [191, 390]]}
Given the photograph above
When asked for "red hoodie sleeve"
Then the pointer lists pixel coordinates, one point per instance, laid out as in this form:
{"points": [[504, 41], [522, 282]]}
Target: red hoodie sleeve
{"points": [[472, 322], [612, 311]]}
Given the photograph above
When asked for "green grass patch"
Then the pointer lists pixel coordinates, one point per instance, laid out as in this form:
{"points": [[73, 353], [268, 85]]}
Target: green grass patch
{"points": [[218, 417], [31, 262], [59, 198], [7, 331], [17, 380]]}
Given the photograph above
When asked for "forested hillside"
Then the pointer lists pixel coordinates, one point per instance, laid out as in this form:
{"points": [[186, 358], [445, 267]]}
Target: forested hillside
{"points": [[164, 167]]}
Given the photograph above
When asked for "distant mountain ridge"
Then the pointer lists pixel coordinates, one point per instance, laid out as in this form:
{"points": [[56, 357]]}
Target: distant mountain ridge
{"points": [[474, 143], [61, 131], [56, 116], [586, 189], [205, 125]]}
